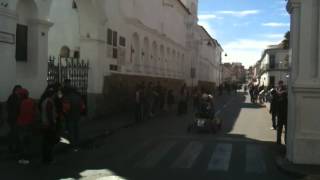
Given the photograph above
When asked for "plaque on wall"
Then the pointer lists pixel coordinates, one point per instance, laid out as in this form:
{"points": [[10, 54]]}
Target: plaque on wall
{"points": [[7, 38]]}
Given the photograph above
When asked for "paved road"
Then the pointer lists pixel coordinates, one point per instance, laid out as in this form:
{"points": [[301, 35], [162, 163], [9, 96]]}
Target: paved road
{"points": [[161, 149]]}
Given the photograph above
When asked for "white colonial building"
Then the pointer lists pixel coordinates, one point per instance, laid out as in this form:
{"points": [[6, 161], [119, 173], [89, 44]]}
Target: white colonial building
{"points": [[274, 65], [208, 63], [125, 41]]}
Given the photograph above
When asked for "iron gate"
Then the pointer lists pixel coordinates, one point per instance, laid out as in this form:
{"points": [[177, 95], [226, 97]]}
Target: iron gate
{"points": [[69, 68]]}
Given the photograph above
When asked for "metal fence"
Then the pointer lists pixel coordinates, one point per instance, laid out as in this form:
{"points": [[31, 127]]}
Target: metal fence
{"points": [[69, 68]]}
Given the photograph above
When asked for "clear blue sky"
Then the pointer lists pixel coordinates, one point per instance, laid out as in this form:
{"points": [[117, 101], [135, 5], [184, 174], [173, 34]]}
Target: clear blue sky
{"points": [[244, 27]]}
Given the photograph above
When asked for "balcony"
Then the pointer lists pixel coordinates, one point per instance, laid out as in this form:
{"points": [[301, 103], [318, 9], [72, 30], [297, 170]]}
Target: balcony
{"points": [[281, 66]]}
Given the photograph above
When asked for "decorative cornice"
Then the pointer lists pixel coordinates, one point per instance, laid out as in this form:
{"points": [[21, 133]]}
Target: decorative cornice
{"points": [[293, 4], [136, 22], [42, 22], [8, 13], [306, 87]]}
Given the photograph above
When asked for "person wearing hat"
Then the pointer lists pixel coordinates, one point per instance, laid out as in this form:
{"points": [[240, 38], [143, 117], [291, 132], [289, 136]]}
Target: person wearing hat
{"points": [[24, 122]]}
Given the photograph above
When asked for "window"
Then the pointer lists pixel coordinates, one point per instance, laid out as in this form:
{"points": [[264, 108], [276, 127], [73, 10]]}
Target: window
{"points": [[115, 38], [22, 43], [115, 53], [74, 5], [122, 41], [272, 61], [113, 67], [76, 54], [112, 41], [109, 40]]}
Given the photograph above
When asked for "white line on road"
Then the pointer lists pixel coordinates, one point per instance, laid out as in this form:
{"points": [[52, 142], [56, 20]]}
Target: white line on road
{"points": [[220, 158], [152, 158], [189, 155], [254, 159]]}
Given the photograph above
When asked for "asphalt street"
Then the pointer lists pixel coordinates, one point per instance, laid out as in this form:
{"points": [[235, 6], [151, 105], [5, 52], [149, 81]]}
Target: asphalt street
{"points": [[162, 149]]}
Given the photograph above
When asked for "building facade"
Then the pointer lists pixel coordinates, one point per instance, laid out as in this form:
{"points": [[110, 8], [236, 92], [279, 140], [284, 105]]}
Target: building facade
{"points": [[125, 42], [233, 72], [274, 65]]}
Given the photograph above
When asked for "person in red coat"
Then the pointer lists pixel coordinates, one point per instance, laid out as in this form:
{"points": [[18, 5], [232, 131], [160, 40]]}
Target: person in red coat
{"points": [[24, 122]]}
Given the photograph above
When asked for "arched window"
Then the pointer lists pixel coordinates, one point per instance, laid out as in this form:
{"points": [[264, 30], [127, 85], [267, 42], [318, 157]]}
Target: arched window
{"points": [[64, 52], [135, 49], [146, 53]]}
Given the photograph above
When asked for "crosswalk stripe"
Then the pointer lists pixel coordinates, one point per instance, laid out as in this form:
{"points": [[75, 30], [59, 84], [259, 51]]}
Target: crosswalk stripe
{"points": [[220, 158], [152, 158], [136, 149], [254, 159], [189, 155]]}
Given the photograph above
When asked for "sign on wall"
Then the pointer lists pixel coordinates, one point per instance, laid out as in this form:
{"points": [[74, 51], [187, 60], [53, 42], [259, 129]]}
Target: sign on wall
{"points": [[7, 38]]}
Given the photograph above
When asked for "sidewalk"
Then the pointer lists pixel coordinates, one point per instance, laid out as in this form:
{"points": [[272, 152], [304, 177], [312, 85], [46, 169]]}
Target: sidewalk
{"points": [[90, 130]]}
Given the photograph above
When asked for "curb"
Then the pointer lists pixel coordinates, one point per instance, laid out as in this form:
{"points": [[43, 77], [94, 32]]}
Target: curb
{"points": [[284, 165], [306, 172]]}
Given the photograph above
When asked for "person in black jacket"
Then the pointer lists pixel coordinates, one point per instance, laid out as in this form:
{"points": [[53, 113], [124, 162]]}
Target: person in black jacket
{"points": [[282, 111], [274, 108], [13, 108]]}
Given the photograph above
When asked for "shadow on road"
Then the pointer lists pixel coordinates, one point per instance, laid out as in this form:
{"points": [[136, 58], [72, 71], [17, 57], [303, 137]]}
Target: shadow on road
{"points": [[252, 105], [96, 165]]}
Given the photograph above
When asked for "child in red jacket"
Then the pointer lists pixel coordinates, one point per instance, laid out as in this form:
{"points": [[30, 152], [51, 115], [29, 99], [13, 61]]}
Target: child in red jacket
{"points": [[24, 122]]}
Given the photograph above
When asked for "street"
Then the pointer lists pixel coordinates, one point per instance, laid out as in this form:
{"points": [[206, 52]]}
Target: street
{"points": [[162, 149]]}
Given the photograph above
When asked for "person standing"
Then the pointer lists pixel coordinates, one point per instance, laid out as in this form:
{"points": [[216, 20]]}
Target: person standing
{"points": [[73, 105], [24, 123], [282, 111], [170, 99], [139, 108], [149, 100], [49, 119], [274, 108], [13, 108], [183, 102]]}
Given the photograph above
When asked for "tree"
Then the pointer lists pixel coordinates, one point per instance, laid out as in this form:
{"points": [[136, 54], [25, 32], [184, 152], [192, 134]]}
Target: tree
{"points": [[286, 42]]}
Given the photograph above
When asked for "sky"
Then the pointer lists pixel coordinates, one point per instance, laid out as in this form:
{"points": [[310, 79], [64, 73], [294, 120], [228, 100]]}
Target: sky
{"points": [[244, 28]]}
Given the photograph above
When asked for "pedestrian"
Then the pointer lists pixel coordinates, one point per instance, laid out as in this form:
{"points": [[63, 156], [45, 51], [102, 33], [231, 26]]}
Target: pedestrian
{"points": [[25, 125], [170, 99], [220, 89], [13, 108], [155, 102], [196, 98], [149, 100], [282, 111], [49, 119], [72, 105], [183, 102], [274, 108], [139, 108], [162, 97]]}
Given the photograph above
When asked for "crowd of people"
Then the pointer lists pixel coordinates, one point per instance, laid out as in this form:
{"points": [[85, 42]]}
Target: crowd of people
{"points": [[57, 112], [278, 99], [151, 100]]}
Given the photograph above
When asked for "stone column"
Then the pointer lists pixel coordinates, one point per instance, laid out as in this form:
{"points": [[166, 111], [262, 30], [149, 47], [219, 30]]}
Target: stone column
{"points": [[8, 20], [304, 85], [33, 73]]}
